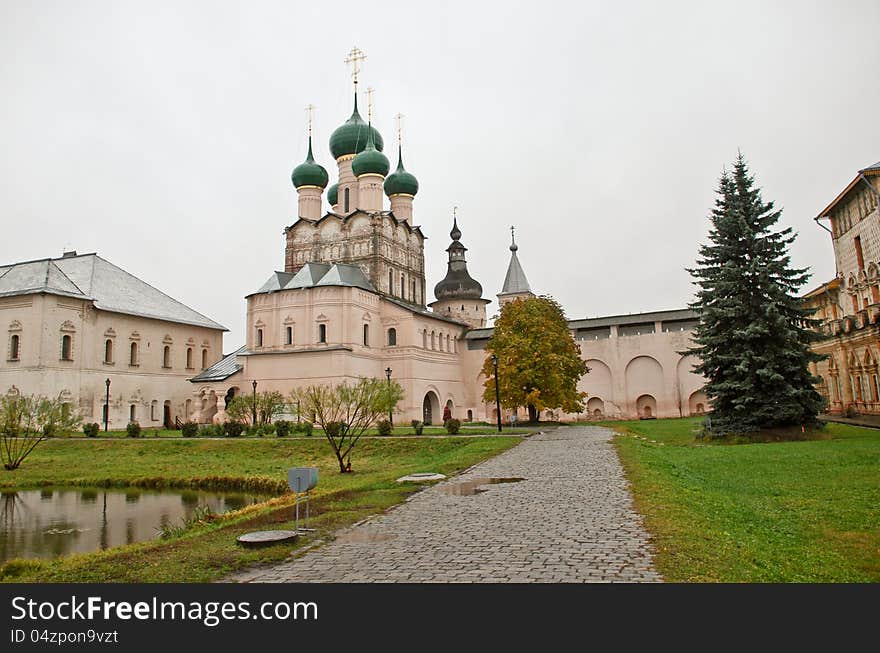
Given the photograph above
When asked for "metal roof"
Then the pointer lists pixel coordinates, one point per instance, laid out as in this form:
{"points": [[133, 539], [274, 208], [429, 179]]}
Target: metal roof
{"points": [[222, 369], [420, 311], [595, 322], [312, 275], [90, 277], [515, 281], [634, 318]]}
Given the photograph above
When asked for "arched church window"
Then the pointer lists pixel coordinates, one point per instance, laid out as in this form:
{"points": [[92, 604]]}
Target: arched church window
{"points": [[390, 282], [166, 357], [413, 295], [259, 337], [346, 195], [66, 348], [433, 340], [392, 337], [133, 354], [448, 340], [14, 347], [322, 333], [204, 359], [366, 335], [289, 339], [441, 342], [403, 286], [108, 351], [425, 339], [132, 413], [189, 358]]}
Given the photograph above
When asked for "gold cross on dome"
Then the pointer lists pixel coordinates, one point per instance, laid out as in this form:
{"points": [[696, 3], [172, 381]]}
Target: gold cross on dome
{"points": [[354, 58], [454, 212], [310, 108], [370, 91]]}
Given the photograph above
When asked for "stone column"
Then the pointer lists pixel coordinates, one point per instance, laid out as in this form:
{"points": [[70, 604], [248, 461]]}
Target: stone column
{"points": [[310, 202]]}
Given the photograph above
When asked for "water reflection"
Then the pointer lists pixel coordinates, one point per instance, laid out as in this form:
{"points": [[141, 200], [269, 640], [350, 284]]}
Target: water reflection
{"points": [[48, 523]]}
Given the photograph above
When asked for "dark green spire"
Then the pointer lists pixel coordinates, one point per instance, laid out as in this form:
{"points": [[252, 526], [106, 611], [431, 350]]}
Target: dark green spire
{"points": [[309, 173], [400, 181]]}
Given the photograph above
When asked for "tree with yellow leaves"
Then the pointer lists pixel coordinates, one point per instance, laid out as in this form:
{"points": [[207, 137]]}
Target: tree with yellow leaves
{"points": [[539, 362]]}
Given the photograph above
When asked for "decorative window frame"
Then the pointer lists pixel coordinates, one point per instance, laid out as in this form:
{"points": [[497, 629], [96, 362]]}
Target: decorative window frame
{"points": [[68, 329], [15, 329]]}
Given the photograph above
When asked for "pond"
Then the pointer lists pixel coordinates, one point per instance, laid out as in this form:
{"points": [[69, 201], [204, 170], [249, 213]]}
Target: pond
{"points": [[52, 522]]}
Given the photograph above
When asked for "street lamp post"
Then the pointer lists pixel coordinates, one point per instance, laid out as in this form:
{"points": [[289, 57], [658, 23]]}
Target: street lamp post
{"points": [[497, 397], [388, 376], [107, 405], [255, 402]]}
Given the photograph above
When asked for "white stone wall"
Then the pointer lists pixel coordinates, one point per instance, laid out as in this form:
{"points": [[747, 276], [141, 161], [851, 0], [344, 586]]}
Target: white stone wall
{"points": [[42, 320]]}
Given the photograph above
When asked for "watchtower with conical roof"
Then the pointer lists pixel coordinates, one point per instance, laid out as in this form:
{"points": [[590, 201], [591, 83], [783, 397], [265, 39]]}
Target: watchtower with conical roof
{"points": [[459, 296], [516, 286]]}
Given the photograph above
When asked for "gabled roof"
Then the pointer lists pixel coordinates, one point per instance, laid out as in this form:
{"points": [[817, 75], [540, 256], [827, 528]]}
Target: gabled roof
{"points": [[343, 274], [90, 277], [312, 275], [222, 369], [346, 218], [871, 171]]}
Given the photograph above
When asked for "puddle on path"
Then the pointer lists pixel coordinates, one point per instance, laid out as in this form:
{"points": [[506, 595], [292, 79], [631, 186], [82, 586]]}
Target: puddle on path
{"points": [[472, 487], [364, 536]]}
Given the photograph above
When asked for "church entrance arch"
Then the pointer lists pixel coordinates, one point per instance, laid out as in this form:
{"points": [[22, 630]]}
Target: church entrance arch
{"points": [[430, 407]]}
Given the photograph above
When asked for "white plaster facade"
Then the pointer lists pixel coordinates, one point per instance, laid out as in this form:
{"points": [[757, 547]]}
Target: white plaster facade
{"points": [[60, 342]]}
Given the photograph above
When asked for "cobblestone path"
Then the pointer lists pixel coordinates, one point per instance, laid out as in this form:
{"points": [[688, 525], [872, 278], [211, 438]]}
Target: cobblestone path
{"points": [[570, 520]]}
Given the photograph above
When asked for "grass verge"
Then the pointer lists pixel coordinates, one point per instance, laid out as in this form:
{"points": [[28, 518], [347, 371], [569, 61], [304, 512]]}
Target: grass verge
{"points": [[804, 511]]}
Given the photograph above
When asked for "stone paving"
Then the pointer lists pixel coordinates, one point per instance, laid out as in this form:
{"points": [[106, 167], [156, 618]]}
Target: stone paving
{"points": [[571, 520]]}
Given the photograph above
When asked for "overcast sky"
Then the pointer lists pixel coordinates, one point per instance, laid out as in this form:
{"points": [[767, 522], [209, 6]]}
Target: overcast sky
{"points": [[162, 135]]}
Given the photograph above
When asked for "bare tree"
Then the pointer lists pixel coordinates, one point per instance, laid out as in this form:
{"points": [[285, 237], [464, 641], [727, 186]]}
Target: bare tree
{"points": [[27, 420], [345, 412]]}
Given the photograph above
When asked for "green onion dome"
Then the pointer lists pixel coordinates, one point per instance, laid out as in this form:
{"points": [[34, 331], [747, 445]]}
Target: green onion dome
{"points": [[400, 181], [370, 161], [309, 173], [351, 137], [333, 194]]}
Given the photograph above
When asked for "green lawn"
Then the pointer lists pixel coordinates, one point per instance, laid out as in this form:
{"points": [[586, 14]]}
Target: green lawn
{"points": [[806, 511], [209, 552]]}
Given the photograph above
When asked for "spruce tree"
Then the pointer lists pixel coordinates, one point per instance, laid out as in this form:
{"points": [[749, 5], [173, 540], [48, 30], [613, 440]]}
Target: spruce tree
{"points": [[754, 335]]}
